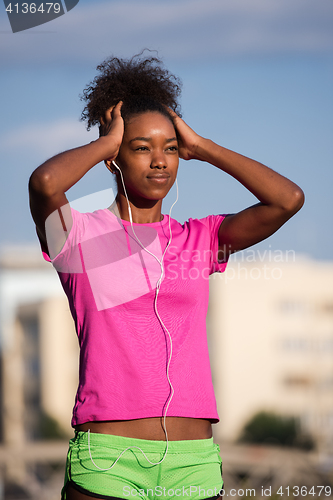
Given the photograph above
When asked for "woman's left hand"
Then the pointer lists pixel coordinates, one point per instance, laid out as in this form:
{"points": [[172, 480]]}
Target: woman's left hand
{"points": [[188, 140]]}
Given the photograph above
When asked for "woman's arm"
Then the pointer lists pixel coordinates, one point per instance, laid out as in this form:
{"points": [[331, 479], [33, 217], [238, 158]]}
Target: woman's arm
{"points": [[279, 198], [49, 182]]}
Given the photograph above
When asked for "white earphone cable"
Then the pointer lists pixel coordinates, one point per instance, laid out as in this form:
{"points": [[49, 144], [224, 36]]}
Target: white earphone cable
{"points": [[158, 285]]}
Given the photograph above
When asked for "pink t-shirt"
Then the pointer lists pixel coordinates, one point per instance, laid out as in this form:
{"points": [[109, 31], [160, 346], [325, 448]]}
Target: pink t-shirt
{"points": [[110, 280]]}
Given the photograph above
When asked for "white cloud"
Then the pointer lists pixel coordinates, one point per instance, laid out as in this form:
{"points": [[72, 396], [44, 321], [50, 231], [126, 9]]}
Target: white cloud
{"points": [[47, 139], [179, 29]]}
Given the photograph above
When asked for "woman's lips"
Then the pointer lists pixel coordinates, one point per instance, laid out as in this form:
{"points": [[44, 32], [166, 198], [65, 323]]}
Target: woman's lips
{"points": [[159, 178]]}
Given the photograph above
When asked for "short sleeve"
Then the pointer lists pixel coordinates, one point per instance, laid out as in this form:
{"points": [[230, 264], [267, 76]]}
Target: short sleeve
{"points": [[212, 223], [68, 260]]}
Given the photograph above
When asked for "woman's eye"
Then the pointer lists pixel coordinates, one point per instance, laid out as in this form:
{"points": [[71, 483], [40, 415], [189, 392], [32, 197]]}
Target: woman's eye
{"points": [[142, 148], [173, 148]]}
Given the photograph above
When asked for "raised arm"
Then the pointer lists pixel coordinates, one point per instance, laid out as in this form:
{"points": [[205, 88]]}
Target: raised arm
{"points": [[279, 198], [49, 182]]}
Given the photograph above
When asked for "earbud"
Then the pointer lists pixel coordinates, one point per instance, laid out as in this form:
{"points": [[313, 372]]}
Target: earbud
{"points": [[115, 165]]}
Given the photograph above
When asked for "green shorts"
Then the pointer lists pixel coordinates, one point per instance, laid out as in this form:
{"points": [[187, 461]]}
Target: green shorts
{"points": [[191, 469]]}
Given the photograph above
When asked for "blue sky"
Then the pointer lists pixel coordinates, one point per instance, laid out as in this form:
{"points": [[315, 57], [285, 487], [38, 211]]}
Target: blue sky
{"points": [[257, 78]]}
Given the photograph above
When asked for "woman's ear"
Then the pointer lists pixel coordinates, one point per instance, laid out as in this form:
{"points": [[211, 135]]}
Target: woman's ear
{"points": [[109, 165]]}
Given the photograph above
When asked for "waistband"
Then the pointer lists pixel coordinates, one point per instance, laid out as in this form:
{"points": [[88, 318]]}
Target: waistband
{"points": [[120, 442]]}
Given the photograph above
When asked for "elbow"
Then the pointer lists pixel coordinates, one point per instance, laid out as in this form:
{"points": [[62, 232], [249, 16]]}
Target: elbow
{"points": [[295, 201], [41, 182], [298, 199]]}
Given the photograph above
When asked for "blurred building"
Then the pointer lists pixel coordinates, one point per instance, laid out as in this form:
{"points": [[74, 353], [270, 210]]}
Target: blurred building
{"points": [[270, 324], [270, 331], [39, 349]]}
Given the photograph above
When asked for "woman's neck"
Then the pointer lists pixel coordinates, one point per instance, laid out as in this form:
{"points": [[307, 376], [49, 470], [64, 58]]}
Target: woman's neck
{"points": [[140, 215]]}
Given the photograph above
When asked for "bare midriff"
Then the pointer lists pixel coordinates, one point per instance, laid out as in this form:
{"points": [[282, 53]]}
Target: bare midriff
{"points": [[178, 428]]}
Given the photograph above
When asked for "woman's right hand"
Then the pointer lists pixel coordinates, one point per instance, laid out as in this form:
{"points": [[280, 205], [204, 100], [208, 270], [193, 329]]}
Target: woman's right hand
{"points": [[112, 127]]}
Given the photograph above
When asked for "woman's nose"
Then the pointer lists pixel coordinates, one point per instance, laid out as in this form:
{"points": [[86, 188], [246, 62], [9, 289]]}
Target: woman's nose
{"points": [[158, 161]]}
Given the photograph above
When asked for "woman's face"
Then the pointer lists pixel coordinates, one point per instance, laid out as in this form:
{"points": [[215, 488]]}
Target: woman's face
{"points": [[148, 157]]}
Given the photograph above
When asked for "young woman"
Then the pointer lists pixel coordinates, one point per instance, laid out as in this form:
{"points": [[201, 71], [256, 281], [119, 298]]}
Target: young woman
{"points": [[137, 284]]}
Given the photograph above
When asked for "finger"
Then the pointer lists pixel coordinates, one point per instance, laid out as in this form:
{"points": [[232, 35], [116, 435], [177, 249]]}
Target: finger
{"points": [[171, 112], [106, 119], [116, 109], [108, 115]]}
